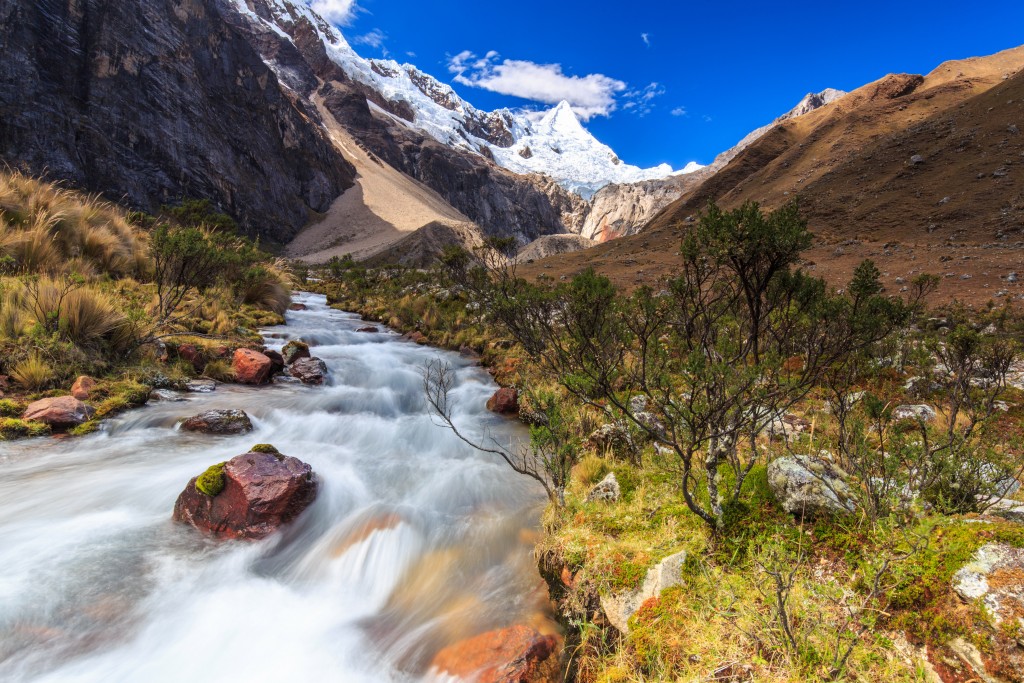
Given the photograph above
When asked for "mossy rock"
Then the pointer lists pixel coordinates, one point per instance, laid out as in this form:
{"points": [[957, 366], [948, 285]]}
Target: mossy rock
{"points": [[211, 482], [294, 350], [264, 448]]}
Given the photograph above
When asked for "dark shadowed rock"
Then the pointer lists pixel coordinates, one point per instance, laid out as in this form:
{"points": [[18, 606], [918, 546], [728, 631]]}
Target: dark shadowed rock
{"points": [[309, 370], [370, 329], [276, 361], [219, 422], [260, 492], [59, 412]]}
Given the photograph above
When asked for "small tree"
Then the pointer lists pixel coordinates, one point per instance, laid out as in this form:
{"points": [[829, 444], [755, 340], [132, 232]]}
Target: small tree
{"points": [[737, 338], [184, 259]]}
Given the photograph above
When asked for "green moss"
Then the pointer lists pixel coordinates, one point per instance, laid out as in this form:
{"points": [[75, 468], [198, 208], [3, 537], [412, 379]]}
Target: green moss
{"points": [[264, 448], [13, 428], [211, 482], [9, 408], [85, 428]]}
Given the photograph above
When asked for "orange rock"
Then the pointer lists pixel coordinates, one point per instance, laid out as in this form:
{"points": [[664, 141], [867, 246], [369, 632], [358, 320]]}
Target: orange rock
{"points": [[251, 367], [505, 401], [518, 654], [82, 387]]}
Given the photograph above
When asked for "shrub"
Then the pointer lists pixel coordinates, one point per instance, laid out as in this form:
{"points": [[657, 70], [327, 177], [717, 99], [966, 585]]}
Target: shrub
{"points": [[211, 482], [33, 373]]}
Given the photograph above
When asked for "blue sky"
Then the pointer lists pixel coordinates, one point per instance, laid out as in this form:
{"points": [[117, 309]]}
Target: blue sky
{"points": [[670, 81]]}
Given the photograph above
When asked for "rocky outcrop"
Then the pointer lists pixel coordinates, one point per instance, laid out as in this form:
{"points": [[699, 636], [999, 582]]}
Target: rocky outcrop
{"points": [[251, 367], [553, 245], [505, 401], [810, 487], [518, 654], [253, 495], [619, 607], [153, 101], [60, 412], [218, 422], [310, 371], [606, 490]]}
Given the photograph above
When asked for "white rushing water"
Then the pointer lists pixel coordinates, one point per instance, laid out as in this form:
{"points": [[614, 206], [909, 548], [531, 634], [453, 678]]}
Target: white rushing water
{"points": [[414, 542]]}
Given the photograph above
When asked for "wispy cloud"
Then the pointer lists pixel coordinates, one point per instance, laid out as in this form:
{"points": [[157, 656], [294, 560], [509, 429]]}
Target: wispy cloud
{"points": [[339, 12], [640, 101], [590, 95], [679, 111], [646, 37], [374, 38]]}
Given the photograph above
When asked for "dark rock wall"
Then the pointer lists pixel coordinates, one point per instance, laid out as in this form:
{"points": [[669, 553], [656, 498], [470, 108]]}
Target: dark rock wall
{"points": [[152, 101]]}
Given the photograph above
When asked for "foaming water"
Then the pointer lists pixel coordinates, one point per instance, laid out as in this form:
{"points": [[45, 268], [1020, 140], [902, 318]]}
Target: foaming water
{"points": [[415, 541]]}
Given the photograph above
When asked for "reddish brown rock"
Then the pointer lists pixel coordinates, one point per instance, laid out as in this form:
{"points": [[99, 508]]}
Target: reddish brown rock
{"points": [[251, 367], [276, 361], [195, 355], [517, 654], [309, 370], [261, 493], [82, 387], [297, 307], [370, 329], [504, 402], [417, 337], [62, 411]]}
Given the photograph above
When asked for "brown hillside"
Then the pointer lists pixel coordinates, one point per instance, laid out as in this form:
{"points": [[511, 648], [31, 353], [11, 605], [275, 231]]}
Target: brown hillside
{"points": [[918, 173]]}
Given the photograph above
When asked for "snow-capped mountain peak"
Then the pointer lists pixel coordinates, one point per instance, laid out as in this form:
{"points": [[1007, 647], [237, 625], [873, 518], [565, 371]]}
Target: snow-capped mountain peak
{"points": [[553, 143]]}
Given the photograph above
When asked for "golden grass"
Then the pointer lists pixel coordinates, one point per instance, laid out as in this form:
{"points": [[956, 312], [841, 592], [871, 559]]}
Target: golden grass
{"points": [[33, 373]]}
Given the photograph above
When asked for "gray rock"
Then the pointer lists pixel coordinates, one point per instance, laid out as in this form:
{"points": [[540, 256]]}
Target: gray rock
{"points": [[921, 413], [309, 370], [201, 386], [810, 487], [1003, 599], [619, 607], [606, 490], [167, 396], [917, 159], [218, 422]]}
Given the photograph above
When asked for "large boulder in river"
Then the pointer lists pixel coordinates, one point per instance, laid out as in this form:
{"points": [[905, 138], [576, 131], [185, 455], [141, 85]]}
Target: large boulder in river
{"points": [[250, 496], [59, 412], [504, 402], [309, 370], [810, 487], [251, 367], [518, 654], [219, 422]]}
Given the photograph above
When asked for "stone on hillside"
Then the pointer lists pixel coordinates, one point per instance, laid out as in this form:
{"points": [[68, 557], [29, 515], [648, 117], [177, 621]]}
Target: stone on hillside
{"points": [[619, 607], [251, 367], [808, 487], [59, 412], [254, 495], [611, 437], [517, 654], [921, 413], [310, 371], [505, 401], [219, 422], [607, 490], [294, 350], [82, 387], [995, 576]]}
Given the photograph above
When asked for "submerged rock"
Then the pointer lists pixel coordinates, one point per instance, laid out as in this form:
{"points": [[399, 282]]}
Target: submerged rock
{"points": [[253, 495], [369, 329], [219, 422], [809, 487], [518, 654], [505, 401], [251, 367], [59, 412], [309, 370]]}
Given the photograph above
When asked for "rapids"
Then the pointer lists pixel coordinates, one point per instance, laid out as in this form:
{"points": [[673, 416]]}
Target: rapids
{"points": [[415, 541]]}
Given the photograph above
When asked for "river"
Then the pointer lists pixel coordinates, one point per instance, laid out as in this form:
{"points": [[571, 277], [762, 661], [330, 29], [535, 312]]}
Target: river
{"points": [[415, 541]]}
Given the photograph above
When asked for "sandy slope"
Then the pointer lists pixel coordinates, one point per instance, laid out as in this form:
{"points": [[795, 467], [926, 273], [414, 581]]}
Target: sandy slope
{"points": [[382, 208]]}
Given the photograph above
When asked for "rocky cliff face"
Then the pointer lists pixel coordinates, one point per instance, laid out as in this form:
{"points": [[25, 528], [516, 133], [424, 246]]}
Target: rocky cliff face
{"points": [[153, 101]]}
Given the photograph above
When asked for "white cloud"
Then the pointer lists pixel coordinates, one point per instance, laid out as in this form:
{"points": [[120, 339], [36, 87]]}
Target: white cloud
{"points": [[590, 95], [679, 111], [641, 101], [335, 11], [646, 37], [374, 38]]}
